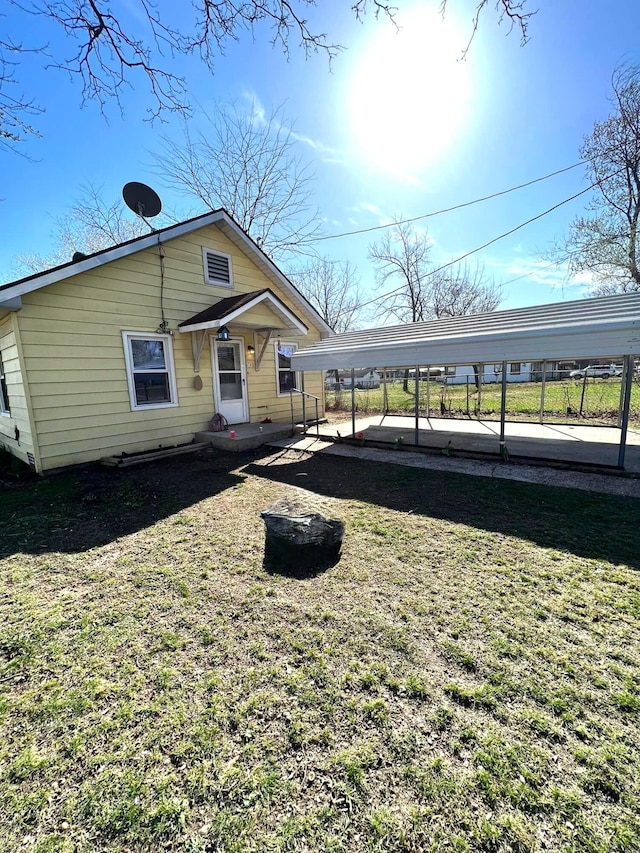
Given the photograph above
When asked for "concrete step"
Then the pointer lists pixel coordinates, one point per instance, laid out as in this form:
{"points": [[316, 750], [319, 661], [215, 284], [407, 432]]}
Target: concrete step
{"points": [[241, 437]]}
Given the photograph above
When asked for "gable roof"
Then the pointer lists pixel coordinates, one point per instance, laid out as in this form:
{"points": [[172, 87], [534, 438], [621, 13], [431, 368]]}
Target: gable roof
{"points": [[11, 292], [232, 307]]}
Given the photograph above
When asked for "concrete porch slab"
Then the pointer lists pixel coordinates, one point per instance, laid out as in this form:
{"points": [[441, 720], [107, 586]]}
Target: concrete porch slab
{"points": [[566, 444], [246, 436]]}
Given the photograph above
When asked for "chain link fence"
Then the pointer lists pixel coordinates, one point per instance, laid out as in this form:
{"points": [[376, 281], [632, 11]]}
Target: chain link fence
{"points": [[571, 392]]}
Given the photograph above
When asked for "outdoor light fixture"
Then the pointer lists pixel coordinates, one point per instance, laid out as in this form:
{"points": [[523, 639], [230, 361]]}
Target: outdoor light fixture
{"points": [[251, 349], [224, 334]]}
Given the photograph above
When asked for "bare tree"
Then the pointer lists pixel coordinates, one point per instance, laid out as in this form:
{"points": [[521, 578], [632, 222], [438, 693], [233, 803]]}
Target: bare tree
{"points": [[333, 290], [247, 163], [463, 289], [606, 244], [424, 293], [107, 53], [402, 255], [87, 226]]}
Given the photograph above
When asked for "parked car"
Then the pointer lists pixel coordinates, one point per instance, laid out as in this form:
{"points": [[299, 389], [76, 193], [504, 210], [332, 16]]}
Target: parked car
{"points": [[602, 371]]}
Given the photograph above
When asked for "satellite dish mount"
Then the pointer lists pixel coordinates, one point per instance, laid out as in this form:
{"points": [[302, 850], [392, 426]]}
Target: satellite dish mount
{"points": [[142, 200]]}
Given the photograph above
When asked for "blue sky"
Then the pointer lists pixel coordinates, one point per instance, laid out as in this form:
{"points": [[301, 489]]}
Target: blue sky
{"points": [[397, 126]]}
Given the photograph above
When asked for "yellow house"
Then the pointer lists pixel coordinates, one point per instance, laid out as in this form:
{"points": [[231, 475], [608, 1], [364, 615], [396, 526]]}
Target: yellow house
{"points": [[135, 347]]}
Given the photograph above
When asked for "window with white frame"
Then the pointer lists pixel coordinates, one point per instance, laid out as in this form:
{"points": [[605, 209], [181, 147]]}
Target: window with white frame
{"points": [[150, 370], [515, 367], [5, 408], [450, 370], [217, 268], [286, 379]]}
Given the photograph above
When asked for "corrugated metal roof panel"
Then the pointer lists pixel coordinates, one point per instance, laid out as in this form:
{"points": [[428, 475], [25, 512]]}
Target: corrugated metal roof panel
{"points": [[575, 329]]}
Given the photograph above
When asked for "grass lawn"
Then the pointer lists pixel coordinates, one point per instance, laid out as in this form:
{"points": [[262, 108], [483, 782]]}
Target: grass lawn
{"points": [[595, 401], [465, 678]]}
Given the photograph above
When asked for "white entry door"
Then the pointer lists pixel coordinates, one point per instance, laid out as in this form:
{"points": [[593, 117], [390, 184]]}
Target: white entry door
{"points": [[230, 380]]}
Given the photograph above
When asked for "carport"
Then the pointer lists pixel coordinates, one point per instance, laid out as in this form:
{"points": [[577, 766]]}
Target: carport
{"points": [[581, 329]]}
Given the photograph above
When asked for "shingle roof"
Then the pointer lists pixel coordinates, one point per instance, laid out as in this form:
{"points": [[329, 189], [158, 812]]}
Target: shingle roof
{"points": [[222, 308]]}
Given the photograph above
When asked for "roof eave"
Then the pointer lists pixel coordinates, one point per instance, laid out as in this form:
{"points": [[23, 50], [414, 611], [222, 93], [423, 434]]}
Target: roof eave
{"points": [[217, 217]]}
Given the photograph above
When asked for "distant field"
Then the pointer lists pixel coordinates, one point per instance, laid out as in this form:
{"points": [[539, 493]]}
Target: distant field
{"points": [[596, 400]]}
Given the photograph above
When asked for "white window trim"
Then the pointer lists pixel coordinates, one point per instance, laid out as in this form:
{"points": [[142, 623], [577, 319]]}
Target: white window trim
{"points": [[205, 268], [5, 408], [513, 372], [171, 371], [277, 344]]}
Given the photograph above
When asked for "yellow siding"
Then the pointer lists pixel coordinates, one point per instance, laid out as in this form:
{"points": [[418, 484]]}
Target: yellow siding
{"points": [[18, 402], [71, 336]]}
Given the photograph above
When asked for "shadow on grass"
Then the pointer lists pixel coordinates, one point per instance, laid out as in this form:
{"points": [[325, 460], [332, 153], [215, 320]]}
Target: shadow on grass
{"points": [[302, 562], [87, 508], [587, 524]]}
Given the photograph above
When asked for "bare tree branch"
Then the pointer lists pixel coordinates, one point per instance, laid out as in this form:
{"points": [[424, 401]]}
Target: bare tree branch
{"points": [[513, 11], [247, 163], [108, 55], [15, 110], [331, 287]]}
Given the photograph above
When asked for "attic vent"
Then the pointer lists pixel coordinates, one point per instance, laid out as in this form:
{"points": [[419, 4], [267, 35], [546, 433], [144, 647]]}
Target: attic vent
{"points": [[217, 268]]}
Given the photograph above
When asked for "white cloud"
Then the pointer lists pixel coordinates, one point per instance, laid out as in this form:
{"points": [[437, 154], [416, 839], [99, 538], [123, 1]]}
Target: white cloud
{"points": [[325, 153], [368, 207], [554, 275]]}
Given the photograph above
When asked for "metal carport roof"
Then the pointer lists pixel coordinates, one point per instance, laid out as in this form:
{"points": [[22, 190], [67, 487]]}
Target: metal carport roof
{"points": [[608, 325]]}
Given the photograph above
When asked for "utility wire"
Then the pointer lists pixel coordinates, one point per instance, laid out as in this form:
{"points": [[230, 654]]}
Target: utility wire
{"points": [[494, 240], [450, 209]]}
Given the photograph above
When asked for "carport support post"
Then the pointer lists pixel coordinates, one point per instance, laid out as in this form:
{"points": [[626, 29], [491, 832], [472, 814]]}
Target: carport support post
{"points": [[417, 405], [304, 406], [622, 390], [353, 402], [428, 390], [626, 403], [385, 399], [503, 407], [542, 390]]}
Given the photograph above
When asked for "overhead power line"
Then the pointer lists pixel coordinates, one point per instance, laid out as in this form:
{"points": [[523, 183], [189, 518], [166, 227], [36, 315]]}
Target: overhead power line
{"points": [[494, 239], [450, 209]]}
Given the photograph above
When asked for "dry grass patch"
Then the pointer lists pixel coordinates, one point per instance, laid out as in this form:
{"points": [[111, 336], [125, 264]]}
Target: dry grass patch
{"points": [[464, 679]]}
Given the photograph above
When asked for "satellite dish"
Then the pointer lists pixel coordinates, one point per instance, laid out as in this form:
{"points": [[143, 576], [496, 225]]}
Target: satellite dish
{"points": [[141, 199]]}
